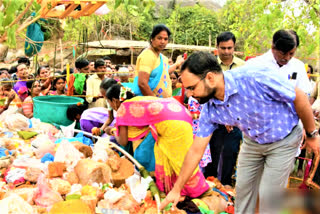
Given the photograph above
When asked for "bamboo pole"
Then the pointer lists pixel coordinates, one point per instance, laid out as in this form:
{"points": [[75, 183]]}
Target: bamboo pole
{"points": [[61, 54], [210, 42], [134, 161], [131, 49]]}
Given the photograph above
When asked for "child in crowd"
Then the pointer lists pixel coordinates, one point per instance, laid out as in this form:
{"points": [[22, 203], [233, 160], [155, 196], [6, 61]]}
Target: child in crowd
{"points": [[178, 92], [195, 108], [59, 84], [104, 86], [8, 97], [87, 118], [34, 90]]}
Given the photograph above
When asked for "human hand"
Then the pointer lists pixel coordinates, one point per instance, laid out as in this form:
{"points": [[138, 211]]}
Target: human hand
{"points": [[11, 96], [316, 115], [312, 144], [229, 128], [173, 197], [109, 130], [179, 61], [96, 131]]}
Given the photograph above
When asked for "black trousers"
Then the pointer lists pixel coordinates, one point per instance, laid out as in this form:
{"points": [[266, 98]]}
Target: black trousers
{"points": [[227, 145]]}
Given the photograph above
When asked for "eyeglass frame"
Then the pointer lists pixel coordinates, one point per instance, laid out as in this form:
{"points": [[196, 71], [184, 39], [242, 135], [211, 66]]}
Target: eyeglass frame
{"points": [[193, 87]]}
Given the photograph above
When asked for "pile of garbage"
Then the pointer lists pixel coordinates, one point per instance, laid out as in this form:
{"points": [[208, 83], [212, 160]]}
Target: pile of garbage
{"points": [[48, 170]]}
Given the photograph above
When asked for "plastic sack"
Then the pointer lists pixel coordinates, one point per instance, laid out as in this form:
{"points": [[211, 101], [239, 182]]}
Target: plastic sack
{"points": [[15, 204], [138, 187], [17, 122], [44, 196], [42, 145], [68, 131], [68, 154], [25, 193], [112, 196], [34, 44], [26, 162], [14, 175], [100, 149]]}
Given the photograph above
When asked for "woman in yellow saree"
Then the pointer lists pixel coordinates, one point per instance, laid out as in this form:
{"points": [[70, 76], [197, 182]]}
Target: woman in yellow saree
{"points": [[170, 125]]}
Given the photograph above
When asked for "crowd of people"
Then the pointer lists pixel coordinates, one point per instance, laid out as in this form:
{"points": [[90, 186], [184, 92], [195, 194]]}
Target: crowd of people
{"points": [[221, 103]]}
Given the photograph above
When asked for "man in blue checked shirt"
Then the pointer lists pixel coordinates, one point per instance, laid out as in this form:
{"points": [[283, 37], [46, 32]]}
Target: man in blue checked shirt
{"points": [[266, 109]]}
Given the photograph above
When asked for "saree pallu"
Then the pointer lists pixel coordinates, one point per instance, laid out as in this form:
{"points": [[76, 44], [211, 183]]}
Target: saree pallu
{"points": [[169, 123], [159, 81]]}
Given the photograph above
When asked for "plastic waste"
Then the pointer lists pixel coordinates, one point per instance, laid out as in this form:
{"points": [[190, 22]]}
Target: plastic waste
{"points": [[47, 157], [42, 145], [44, 196], [138, 187], [15, 204], [16, 122], [67, 154]]}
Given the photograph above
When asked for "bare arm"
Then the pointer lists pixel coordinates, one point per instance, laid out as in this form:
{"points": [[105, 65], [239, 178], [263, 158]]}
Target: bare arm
{"points": [[108, 121], [143, 83], [190, 163], [122, 139], [304, 112]]}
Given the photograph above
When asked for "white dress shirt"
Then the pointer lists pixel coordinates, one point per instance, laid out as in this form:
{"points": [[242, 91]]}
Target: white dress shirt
{"points": [[294, 70]]}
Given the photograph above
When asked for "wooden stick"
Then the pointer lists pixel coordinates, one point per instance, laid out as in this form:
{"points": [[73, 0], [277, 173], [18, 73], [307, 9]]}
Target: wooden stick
{"points": [[61, 54], [21, 14]]}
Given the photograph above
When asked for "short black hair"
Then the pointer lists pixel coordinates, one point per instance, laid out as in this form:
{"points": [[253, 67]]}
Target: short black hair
{"points": [[118, 66], [98, 63], [176, 74], [74, 110], [114, 92], [107, 83], [81, 63], [311, 68], [200, 63], [285, 40], [107, 58], [24, 60], [157, 29], [13, 70], [226, 36], [4, 69], [56, 80], [64, 72]]}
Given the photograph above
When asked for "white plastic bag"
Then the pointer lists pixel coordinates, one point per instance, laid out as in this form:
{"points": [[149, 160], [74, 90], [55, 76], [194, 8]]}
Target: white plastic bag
{"points": [[112, 196], [100, 150], [138, 187], [68, 131], [16, 122], [67, 154], [15, 204]]}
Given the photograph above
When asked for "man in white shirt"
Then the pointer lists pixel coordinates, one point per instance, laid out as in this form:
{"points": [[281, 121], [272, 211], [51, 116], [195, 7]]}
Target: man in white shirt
{"points": [[280, 58]]}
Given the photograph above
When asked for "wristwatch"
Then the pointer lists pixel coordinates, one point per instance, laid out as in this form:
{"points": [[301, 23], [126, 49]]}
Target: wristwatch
{"points": [[312, 134]]}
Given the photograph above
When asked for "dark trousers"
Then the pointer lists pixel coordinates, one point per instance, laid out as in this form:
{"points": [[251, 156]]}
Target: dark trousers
{"points": [[227, 145]]}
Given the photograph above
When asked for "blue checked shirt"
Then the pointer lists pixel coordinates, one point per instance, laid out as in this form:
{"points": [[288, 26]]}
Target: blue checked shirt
{"points": [[257, 100]]}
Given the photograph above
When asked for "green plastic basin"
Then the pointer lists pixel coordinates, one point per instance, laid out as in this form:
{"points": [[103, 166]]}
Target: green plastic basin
{"points": [[53, 109]]}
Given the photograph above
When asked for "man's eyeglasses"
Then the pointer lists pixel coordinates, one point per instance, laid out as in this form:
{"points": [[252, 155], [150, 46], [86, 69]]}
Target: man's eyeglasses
{"points": [[191, 88]]}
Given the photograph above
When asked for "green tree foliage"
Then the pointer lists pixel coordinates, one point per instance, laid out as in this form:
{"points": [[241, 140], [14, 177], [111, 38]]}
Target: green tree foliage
{"points": [[254, 22], [193, 25]]}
